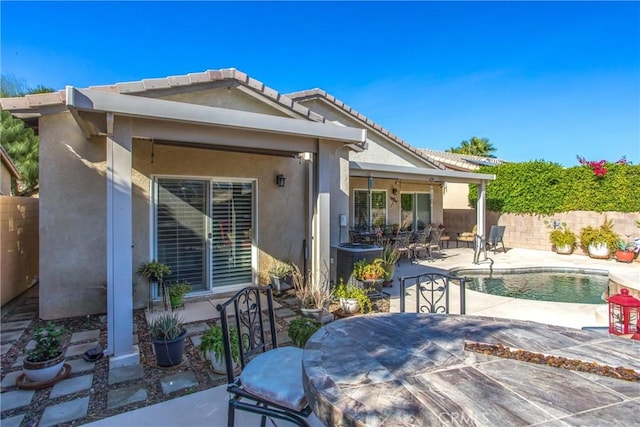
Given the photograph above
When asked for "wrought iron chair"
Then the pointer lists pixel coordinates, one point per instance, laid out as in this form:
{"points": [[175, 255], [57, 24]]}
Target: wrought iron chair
{"points": [[270, 379], [434, 242], [402, 244], [496, 235], [421, 243], [431, 292]]}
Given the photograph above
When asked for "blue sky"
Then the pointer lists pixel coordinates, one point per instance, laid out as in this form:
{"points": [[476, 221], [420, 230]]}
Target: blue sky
{"points": [[541, 80]]}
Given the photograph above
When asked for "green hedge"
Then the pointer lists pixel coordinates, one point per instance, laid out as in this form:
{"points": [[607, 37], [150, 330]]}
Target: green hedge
{"points": [[544, 188]]}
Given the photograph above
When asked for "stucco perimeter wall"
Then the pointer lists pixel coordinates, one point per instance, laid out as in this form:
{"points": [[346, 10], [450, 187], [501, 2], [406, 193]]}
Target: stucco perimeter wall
{"points": [[18, 245], [531, 232]]}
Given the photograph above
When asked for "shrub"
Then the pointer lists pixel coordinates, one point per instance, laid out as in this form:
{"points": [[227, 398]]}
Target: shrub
{"points": [[300, 330]]}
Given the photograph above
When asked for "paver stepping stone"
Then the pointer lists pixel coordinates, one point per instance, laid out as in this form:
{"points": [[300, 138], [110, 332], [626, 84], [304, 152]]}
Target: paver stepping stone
{"points": [[126, 395], [80, 365], [9, 380], [15, 399], [85, 336], [178, 381], [12, 421], [285, 312], [196, 340], [125, 373], [22, 316], [194, 328], [12, 326], [10, 336], [4, 348], [18, 361], [72, 385], [64, 412], [283, 338], [75, 350]]}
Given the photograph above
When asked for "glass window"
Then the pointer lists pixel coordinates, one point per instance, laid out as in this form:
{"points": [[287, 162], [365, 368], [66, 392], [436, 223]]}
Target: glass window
{"points": [[369, 208]]}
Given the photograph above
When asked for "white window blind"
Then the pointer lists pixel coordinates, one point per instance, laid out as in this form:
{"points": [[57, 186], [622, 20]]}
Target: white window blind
{"points": [[231, 231], [181, 229]]}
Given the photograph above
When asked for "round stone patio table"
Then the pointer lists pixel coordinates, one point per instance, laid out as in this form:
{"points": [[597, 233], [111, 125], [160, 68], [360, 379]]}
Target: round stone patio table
{"points": [[408, 369]]}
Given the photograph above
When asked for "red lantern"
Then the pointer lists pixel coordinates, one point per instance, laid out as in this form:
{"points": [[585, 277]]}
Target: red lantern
{"points": [[623, 313]]}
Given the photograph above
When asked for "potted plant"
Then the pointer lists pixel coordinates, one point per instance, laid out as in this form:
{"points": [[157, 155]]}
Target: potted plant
{"points": [[212, 348], [563, 239], [352, 298], [44, 362], [155, 272], [167, 336], [600, 242], [280, 275], [176, 293], [624, 252], [314, 297], [300, 330], [370, 273], [390, 256]]}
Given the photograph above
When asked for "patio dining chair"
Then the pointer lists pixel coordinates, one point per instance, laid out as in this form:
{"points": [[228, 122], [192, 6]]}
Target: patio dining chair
{"points": [[403, 245], [270, 379], [431, 292], [496, 235]]}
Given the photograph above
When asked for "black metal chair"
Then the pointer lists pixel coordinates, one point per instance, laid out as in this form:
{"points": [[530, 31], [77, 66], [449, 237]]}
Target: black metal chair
{"points": [[432, 292], [495, 236], [270, 379]]}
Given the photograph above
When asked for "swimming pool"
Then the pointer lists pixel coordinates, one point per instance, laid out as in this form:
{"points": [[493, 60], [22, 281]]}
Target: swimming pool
{"points": [[583, 286]]}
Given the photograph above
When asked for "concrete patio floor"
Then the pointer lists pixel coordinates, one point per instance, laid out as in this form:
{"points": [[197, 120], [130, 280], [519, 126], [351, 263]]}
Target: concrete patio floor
{"points": [[209, 407]]}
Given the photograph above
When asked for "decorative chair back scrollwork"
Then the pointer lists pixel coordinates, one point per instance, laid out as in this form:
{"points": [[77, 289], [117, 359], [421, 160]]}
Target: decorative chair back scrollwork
{"points": [[431, 292], [269, 381]]}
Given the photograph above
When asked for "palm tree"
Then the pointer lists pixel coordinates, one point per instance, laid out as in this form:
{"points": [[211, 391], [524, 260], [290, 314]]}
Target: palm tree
{"points": [[475, 146]]}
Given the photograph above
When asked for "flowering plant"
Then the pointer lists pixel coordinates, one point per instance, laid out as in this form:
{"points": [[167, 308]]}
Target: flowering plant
{"points": [[599, 167]]}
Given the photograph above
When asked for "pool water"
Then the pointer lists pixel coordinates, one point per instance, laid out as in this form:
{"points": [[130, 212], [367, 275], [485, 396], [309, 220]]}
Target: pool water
{"points": [[585, 287]]}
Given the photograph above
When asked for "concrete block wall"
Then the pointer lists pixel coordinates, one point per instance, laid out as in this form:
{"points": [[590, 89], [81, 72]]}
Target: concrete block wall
{"points": [[531, 232], [18, 245]]}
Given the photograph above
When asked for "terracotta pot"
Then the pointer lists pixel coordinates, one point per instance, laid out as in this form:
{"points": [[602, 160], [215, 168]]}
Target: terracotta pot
{"points": [[624, 256]]}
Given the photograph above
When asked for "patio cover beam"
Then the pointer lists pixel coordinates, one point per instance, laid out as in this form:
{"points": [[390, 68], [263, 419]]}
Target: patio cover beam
{"points": [[361, 169], [173, 111]]}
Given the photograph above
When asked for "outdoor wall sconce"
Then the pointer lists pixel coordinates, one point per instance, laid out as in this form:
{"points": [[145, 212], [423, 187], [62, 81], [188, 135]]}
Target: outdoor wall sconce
{"points": [[280, 180], [370, 183], [623, 313]]}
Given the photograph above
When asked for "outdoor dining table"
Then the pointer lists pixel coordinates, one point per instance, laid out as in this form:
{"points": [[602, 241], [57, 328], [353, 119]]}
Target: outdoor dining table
{"points": [[408, 369]]}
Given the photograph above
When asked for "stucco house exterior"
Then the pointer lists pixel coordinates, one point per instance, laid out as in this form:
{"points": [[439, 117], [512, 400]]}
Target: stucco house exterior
{"points": [[185, 170]]}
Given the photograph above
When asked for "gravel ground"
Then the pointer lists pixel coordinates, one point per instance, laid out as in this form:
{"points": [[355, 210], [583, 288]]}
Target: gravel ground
{"points": [[152, 374]]}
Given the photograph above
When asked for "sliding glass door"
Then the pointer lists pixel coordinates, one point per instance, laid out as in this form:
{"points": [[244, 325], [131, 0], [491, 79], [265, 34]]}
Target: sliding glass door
{"points": [[204, 231], [415, 211]]}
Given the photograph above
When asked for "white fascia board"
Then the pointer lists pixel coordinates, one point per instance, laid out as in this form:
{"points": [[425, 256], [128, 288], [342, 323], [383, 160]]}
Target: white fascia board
{"points": [[136, 106], [392, 171]]}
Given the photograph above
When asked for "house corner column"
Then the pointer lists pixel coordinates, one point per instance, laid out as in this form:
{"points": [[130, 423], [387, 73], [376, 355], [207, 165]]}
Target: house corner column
{"points": [[121, 349], [481, 209]]}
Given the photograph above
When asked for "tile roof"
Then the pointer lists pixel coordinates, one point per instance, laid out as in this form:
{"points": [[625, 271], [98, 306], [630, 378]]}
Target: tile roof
{"points": [[319, 93], [465, 161], [146, 85]]}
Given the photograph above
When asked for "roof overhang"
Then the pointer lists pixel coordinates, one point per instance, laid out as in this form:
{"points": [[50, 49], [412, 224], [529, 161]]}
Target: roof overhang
{"points": [[92, 101], [6, 160], [376, 170]]}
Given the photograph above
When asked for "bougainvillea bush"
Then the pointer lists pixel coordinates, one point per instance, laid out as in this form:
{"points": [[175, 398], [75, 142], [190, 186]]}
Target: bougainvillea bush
{"points": [[544, 188]]}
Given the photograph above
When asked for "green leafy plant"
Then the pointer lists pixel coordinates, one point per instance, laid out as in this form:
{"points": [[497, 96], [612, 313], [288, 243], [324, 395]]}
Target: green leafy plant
{"points": [[281, 269], [355, 292], [603, 235], [212, 340], [390, 256], [624, 246], [545, 188], [563, 236], [300, 330], [154, 271], [167, 326], [177, 291], [48, 341], [369, 270]]}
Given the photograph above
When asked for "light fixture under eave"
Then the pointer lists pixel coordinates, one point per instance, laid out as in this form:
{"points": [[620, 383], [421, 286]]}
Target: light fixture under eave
{"points": [[280, 179], [370, 183]]}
